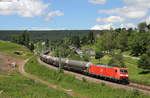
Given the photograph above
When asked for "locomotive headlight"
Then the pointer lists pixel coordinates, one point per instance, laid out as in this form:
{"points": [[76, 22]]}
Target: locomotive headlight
{"points": [[124, 75]]}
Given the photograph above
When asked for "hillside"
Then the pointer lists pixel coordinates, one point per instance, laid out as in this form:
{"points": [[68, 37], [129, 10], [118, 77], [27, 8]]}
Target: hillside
{"points": [[21, 86], [11, 48], [13, 84], [40, 35]]}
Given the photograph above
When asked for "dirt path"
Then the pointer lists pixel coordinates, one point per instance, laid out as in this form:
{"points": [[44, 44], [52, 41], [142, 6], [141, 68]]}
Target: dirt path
{"points": [[136, 58], [6, 60], [91, 79], [22, 71]]}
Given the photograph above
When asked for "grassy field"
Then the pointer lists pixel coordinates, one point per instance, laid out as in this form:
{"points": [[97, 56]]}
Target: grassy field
{"points": [[10, 48], [88, 46], [1, 60], [134, 71], [16, 86], [82, 87], [124, 53]]}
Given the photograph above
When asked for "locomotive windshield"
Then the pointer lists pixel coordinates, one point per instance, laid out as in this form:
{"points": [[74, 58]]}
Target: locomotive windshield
{"points": [[123, 71]]}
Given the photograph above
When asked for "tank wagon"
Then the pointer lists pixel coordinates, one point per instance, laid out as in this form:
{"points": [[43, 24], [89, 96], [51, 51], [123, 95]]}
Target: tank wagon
{"points": [[105, 71]]}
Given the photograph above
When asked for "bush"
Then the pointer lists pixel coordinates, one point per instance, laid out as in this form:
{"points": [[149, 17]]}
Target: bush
{"points": [[144, 62], [85, 57], [135, 93], [83, 79], [103, 84], [117, 61], [99, 55]]}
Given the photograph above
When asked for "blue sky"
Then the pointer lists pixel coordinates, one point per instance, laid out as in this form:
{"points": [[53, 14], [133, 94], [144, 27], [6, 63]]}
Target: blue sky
{"points": [[72, 14]]}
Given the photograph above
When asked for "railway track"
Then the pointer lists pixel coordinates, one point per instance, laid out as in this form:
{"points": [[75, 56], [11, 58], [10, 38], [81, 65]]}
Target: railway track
{"points": [[140, 86], [130, 87]]}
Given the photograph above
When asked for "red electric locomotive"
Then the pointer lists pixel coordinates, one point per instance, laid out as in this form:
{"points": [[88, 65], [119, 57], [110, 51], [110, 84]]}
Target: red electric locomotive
{"points": [[115, 73]]}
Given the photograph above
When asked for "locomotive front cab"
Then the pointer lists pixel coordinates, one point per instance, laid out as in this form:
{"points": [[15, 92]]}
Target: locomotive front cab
{"points": [[123, 74]]}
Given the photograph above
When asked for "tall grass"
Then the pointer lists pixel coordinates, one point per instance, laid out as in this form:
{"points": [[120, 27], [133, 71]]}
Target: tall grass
{"points": [[17, 86], [83, 87]]}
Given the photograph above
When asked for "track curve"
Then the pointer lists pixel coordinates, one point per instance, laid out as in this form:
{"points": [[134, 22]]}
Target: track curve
{"points": [[130, 87], [30, 76]]}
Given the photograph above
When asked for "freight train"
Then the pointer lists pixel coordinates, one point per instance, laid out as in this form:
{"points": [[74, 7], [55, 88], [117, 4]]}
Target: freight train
{"points": [[104, 71]]}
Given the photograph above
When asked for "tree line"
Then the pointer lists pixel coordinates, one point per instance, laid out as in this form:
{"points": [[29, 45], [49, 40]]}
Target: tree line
{"points": [[24, 39], [36, 35]]}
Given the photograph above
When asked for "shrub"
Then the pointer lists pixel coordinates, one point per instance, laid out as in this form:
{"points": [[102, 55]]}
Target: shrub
{"points": [[83, 79], [144, 62], [99, 55], [85, 57], [103, 84], [117, 61], [136, 93]]}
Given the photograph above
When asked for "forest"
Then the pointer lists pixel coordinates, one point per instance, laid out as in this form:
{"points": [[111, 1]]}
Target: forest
{"points": [[45, 34]]}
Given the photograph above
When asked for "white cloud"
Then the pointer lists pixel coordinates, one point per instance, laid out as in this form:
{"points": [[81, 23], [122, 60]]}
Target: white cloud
{"points": [[139, 3], [148, 20], [129, 25], [128, 12], [97, 1], [110, 19], [5, 0], [45, 28], [133, 9], [52, 14], [102, 27], [25, 8], [40, 28]]}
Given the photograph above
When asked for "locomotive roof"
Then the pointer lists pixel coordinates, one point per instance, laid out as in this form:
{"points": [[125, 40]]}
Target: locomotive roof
{"points": [[105, 66]]}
